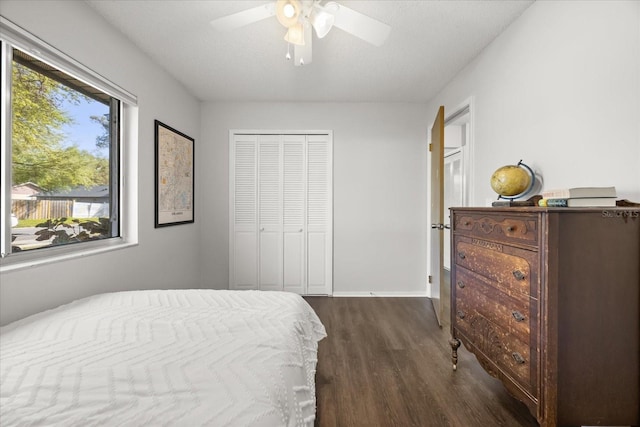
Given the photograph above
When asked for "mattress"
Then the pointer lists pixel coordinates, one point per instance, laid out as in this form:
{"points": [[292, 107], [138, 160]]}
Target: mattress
{"points": [[163, 358]]}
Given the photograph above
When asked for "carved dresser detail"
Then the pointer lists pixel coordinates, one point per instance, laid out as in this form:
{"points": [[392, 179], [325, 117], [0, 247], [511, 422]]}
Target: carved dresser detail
{"points": [[547, 299]]}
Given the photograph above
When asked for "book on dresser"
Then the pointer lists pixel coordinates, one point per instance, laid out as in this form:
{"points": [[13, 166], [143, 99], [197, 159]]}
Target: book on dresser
{"points": [[548, 301], [579, 192], [579, 202]]}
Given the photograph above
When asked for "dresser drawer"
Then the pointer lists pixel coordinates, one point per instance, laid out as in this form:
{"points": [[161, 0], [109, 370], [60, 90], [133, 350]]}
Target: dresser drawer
{"points": [[509, 353], [511, 270], [503, 228], [512, 315]]}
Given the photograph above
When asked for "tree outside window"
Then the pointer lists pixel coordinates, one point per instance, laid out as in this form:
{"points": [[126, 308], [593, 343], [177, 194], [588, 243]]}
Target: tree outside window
{"points": [[64, 137]]}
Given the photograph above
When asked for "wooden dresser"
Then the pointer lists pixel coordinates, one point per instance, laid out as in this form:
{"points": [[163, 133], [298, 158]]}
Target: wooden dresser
{"points": [[548, 301]]}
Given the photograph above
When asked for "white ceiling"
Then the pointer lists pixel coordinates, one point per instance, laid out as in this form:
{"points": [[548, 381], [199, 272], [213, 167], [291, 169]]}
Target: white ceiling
{"points": [[430, 42]]}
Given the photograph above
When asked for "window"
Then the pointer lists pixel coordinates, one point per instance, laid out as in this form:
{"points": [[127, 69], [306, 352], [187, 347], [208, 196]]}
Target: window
{"points": [[61, 152], [64, 151]]}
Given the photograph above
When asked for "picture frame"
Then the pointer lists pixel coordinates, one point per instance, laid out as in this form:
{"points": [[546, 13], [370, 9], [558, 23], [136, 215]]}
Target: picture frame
{"points": [[174, 176]]}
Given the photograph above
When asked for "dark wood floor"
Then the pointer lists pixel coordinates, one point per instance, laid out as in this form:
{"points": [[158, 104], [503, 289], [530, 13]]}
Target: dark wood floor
{"points": [[386, 362]]}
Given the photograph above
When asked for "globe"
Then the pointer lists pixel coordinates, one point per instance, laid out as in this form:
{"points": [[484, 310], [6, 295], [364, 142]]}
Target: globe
{"points": [[512, 180]]}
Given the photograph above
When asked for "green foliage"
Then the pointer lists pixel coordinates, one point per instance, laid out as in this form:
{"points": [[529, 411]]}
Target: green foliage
{"points": [[35, 222], [39, 150], [102, 141], [64, 231]]}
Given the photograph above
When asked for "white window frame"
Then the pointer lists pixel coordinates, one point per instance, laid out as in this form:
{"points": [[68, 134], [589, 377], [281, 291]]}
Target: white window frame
{"points": [[13, 36]]}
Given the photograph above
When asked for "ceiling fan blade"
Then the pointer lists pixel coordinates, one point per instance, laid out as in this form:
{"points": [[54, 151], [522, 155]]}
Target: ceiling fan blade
{"points": [[302, 54], [361, 26], [245, 17]]}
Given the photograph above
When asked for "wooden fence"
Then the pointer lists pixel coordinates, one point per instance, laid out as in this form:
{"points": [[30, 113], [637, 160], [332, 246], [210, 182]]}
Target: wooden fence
{"points": [[41, 209]]}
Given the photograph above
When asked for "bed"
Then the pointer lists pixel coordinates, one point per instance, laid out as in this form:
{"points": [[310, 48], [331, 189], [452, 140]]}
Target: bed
{"points": [[168, 357]]}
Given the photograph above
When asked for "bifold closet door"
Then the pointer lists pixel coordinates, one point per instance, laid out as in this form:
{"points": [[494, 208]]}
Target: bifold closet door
{"points": [[281, 205], [319, 215], [270, 212], [243, 236], [293, 213]]}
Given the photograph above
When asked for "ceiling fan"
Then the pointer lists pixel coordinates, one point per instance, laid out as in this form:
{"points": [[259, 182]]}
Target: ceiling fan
{"points": [[299, 17]]}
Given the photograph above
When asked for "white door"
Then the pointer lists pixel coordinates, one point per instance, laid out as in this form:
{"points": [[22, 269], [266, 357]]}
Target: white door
{"points": [[319, 215], [270, 212], [243, 236], [453, 196], [457, 161], [294, 213], [283, 183]]}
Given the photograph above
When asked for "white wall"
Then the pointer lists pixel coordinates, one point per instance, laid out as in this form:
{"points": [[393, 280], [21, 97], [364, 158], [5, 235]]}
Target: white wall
{"points": [[379, 186], [560, 89], [164, 258]]}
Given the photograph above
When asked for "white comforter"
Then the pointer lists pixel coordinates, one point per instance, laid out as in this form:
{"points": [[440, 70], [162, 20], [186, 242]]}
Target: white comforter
{"points": [[154, 358]]}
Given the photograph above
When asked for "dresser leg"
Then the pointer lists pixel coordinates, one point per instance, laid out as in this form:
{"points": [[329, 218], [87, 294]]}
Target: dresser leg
{"points": [[454, 343]]}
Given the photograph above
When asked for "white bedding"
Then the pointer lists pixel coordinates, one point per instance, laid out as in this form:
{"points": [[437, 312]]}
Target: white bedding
{"points": [[154, 358]]}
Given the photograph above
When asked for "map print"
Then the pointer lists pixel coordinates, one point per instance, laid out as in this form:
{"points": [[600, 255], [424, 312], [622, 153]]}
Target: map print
{"points": [[175, 177]]}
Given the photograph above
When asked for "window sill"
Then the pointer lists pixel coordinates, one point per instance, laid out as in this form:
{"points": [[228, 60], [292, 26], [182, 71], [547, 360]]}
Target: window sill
{"points": [[24, 261]]}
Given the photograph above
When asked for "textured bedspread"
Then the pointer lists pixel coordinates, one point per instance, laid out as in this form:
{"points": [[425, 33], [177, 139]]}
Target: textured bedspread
{"points": [[154, 358]]}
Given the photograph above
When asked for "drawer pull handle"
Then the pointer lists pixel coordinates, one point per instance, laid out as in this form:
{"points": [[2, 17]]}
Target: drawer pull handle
{"points": [[511, 228], [518, 316], [517, 357], [461, 284], [462, 255], [461, 314], [518, 275]]}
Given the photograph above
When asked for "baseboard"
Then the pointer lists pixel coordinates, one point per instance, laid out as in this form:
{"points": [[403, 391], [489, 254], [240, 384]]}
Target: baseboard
{"points": [[384, 294]]}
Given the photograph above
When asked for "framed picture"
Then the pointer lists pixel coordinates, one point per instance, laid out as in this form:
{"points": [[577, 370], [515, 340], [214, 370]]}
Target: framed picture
{"points": [[174, 176]]}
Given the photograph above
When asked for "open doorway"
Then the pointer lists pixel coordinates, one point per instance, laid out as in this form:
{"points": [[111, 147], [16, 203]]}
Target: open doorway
{"points": [[457, 164]]}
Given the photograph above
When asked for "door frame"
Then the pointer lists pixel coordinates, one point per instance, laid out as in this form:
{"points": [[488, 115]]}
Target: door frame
{"points": [[465, 109]]}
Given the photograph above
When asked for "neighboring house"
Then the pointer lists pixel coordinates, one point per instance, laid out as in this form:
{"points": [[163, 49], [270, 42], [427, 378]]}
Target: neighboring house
{"points": [[25, 191], [23, 201], [86, 202]]}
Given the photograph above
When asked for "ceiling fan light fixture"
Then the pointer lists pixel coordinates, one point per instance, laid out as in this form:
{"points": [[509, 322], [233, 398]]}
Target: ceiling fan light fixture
{"points": [[302, 17], [295, 35], [323, 18], [322, 22], [287, 12]]}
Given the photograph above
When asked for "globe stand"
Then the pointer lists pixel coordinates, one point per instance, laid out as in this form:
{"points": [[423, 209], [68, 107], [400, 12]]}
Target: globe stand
{"points": [[511, 200], [531, 201]]}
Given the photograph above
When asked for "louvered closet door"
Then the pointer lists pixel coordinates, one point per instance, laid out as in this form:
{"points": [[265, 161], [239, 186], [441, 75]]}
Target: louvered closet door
{"points": [[270, 211], [243, 242], [319, 215], [294, 202], [281, 210]]}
